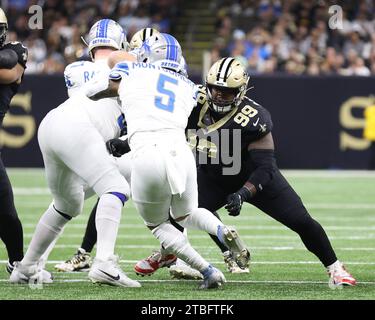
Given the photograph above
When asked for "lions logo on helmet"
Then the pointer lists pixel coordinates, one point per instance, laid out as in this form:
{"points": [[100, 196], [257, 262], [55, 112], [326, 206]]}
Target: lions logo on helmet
{"points": [[3, 27], [162, 49], [107, 33], [141, 36], [229, 77]]}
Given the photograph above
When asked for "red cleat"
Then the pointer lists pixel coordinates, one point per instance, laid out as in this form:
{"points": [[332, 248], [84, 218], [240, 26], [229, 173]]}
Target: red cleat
{"points": [[155, 261]]}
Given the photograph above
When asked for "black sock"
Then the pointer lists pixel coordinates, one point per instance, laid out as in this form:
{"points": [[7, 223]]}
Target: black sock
{"points": [[89, 240]]}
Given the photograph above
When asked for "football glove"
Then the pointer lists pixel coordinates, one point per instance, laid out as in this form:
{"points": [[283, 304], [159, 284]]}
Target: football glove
{"points": [[20, 50], [234, 204], [117, 147], [235, 201]]}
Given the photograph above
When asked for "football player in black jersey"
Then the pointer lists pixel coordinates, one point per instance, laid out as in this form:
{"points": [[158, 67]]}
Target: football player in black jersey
{"points": [[13, 57], [223, 107]]}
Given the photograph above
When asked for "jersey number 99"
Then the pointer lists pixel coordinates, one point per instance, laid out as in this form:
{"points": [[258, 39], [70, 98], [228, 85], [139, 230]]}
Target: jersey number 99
{"points": [[170, 95]]}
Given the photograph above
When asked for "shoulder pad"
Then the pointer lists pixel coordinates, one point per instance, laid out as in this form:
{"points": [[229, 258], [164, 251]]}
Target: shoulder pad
{"points": [[202, 95], [78, 73]]}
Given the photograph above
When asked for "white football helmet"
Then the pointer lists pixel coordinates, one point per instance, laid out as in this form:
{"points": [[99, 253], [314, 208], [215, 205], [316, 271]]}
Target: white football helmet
{"points": [[162, 49], [3, 27], [107, 33]]}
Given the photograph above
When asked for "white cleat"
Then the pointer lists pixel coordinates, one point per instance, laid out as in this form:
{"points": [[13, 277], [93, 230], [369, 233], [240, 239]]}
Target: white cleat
{"points": [[181, 270], [232, 266], [212, 278], [31, 274], [109, 272], [340, 277]]}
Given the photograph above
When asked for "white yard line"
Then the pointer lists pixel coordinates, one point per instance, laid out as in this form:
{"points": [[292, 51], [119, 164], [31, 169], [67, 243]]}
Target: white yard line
{"points": [[205, 236], [256, 227], [228, 281], [222, 262]]}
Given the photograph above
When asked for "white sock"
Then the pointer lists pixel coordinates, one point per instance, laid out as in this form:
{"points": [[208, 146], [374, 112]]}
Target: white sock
{"points": [[201, 219], [174, 241], [334, 266], [108, 216], [44, 257], [47, 230]]}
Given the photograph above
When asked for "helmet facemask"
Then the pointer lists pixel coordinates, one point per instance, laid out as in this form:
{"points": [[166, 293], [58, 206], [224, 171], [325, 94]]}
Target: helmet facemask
{"points": [[3, 33]]}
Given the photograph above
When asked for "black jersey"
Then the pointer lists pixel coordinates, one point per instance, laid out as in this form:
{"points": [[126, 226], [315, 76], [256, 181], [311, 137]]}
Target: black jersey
{"points": [[221, 142], [7, 91]]}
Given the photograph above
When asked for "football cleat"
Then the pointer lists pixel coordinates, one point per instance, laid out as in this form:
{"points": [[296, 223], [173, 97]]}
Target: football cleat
{"points": [[339, 277], [212, 278], [229, 236], [232, 266], [181, 270], [32, 274], [155, 261], [81, 261], [109, 272]]}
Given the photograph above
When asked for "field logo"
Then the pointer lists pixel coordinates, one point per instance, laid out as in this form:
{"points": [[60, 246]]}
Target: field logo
{"points": [[335, 21], [36, 20]]}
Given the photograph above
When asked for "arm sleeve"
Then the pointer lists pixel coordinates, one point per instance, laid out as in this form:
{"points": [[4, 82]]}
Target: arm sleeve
{"points": [[20, 50]]}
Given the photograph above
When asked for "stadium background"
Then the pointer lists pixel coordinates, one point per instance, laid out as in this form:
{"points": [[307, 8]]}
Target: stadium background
{"points": [[316, 81]]}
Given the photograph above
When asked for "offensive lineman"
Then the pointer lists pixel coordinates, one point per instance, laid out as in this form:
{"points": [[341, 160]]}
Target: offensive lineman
{"points": [[72, 140], [81, 260]]}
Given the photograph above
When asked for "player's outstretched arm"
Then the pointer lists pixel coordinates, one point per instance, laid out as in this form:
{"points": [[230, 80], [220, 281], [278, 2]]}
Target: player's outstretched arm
{"points": [[119, 56], [262, 158], [110, 92]]}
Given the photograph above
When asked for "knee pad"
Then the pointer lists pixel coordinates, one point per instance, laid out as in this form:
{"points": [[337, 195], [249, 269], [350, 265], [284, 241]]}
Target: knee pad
{"points": [[121, 196]]}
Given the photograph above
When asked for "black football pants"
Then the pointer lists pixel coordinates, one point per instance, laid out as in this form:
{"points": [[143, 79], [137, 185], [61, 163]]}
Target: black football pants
{"points": [[11, 232]]}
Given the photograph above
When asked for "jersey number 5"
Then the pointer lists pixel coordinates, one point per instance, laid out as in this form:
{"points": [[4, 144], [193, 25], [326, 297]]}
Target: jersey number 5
{"points": [[169, 106]]}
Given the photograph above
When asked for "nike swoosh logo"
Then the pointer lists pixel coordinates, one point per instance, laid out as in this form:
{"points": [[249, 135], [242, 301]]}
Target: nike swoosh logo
{"points": [[111, 276], [256, 123]]}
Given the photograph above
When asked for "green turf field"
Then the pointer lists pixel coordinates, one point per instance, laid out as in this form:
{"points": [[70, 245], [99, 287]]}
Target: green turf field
{"points": [[281, 268]]}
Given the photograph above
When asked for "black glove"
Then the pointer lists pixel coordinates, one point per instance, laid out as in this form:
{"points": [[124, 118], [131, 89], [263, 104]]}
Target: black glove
{"points": [[117, 147], [235, 201], [234, 204], [20, 49]]}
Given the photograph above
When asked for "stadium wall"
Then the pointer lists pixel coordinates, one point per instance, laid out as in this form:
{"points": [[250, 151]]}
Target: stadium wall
{"points": [[318, 121]]}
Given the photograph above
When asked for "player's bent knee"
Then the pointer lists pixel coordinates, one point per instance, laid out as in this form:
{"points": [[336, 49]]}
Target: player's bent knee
{"points": [[123, 198]]}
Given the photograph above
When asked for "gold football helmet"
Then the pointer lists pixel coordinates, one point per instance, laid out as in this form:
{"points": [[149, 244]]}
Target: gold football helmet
{"points": [[229, 79], [140, 36], [3, 27]]}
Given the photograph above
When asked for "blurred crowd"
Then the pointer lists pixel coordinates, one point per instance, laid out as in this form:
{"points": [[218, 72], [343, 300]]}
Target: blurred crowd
{"points": [[269, 36], [295, 37], [59, 42]]}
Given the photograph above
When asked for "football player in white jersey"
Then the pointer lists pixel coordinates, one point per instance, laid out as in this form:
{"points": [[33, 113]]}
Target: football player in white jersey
{"points": [[157, 102], [77, 75], [72, 140]]}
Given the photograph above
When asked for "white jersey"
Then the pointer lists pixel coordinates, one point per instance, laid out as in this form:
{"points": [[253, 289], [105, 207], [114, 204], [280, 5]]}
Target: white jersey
{"points": [[155, 101], [105, 115]]}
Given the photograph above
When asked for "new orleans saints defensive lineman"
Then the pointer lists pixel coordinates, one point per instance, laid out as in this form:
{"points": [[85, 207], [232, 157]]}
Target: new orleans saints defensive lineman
{"points": [[13, 57], [224, 109]]}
